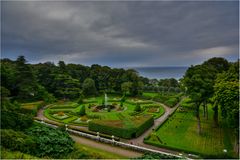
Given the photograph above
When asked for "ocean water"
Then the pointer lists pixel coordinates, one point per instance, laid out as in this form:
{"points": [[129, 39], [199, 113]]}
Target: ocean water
{"points": [[161, 72]]}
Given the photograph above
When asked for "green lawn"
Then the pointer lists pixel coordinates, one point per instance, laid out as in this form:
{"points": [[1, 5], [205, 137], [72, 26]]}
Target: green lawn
{"points": [[91, 152], [94, 153], [150, 94], [180, 132], [31, 106], [7, 154]]}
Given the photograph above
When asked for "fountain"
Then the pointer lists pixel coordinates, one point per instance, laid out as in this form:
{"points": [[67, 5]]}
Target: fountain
{"points": [[105, 101]]}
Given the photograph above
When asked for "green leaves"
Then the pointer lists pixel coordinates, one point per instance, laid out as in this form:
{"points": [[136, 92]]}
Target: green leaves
{"points": [[51, 142]]}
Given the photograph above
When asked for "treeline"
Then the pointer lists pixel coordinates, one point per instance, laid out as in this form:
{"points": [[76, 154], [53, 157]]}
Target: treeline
{"points": [[48, 81], [215, 82]]}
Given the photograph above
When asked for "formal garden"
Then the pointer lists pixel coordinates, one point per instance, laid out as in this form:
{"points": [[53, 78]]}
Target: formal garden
{"points": [[123, 117]]}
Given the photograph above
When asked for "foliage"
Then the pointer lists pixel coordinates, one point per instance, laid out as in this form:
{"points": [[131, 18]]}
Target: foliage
{"points": [[25, 79], [8, 154], [126, 87], [149, 155], [82, 111], [51, 142], [80, 99], [117, 128], [137, 108], [15, 120], [66, 86], [171, 102], [227, 95], [89, 87], [17, 141]]}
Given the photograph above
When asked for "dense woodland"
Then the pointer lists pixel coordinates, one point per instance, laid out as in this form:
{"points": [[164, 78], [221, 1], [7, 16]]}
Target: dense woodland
{"points": [[215, 81], [68, 81]]}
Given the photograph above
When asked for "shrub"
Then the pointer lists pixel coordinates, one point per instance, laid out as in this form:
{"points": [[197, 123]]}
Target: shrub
{"points": [[51, 142], [84, 118], [60, 113], [137, 108], [17, 141], [16, 121], [150, 155], [171, 102], [82, 111]]}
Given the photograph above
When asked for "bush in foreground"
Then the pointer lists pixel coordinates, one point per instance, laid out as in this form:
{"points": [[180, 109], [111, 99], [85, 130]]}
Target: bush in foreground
{"points": [[51, 142]]}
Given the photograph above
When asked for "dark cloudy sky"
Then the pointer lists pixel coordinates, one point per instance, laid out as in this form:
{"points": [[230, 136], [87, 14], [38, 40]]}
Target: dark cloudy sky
{"points": [[120, 34]]}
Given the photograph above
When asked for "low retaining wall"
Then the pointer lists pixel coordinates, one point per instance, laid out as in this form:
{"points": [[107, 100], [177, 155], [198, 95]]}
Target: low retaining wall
{"points": [[113, 142]]}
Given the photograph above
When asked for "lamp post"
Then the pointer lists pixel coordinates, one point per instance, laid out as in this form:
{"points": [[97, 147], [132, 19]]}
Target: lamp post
{"points": [[113, 138], [66, 127]]}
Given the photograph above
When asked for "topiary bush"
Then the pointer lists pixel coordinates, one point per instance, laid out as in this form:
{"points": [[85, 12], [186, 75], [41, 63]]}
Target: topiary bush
{"points": [[137, 108], [82, 111]]}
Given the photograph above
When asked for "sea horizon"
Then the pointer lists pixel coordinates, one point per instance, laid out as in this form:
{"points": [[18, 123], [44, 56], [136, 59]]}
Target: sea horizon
{"points": [[161, 72]]}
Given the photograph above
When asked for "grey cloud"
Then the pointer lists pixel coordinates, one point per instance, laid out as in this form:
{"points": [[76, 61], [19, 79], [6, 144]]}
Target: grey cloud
{"points": [[119, 33]]}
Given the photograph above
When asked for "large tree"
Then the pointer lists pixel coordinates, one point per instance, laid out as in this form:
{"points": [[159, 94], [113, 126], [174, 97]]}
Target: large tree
{"points": [[25, 79], [216, 65], [227, 95], [198, 82], [66, 86], [89, 87]]}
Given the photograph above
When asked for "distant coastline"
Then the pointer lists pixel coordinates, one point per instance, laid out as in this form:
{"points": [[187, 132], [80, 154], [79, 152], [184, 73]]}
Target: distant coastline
{"points": [[161, 72]]}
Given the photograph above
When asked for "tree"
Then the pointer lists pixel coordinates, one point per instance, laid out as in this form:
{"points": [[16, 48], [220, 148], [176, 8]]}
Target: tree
{"points": [[126, 87], [216, 65], [89, 87], [226, 93], [66, 86], [25, 79], [198, 82]]}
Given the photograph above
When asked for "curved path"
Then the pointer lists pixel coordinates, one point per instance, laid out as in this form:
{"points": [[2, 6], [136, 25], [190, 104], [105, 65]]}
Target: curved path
{"points": [[136, 141]]}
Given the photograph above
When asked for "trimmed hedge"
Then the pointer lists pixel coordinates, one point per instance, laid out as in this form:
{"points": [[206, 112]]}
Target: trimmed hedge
{"points": [[123, 132], [171, 102], [93, 133], [77, 129]]}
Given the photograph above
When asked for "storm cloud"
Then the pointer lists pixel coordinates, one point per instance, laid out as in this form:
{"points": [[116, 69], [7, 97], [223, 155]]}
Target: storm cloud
{"points": [[120, 34]]}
